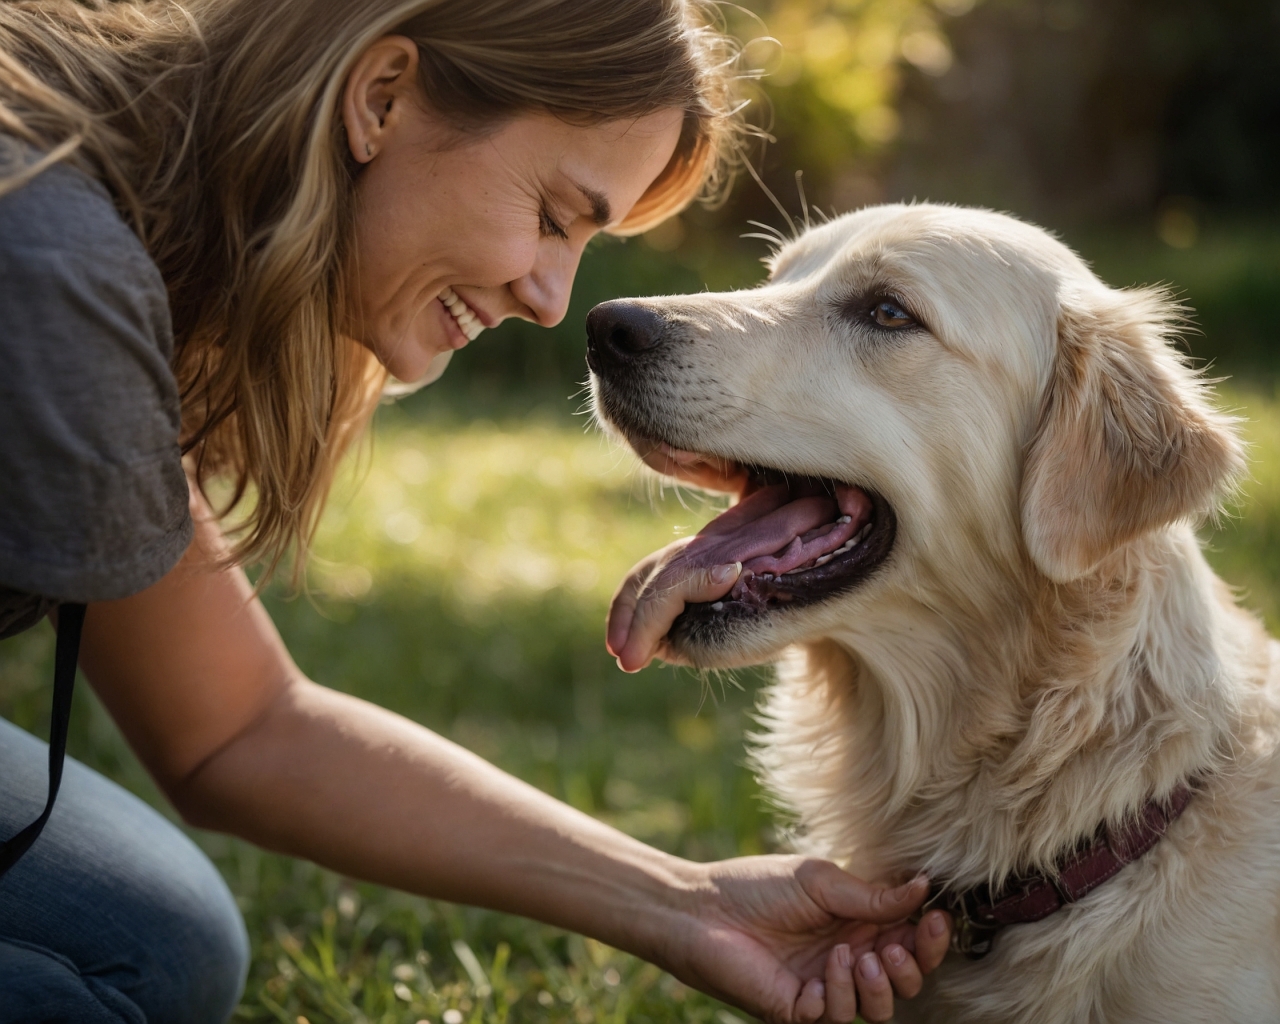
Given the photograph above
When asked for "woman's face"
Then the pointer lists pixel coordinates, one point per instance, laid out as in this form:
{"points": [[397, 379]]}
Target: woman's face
{"points": [[453, 236]]}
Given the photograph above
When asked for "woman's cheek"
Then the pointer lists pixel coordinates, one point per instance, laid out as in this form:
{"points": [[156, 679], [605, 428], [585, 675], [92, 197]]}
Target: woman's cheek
{"points": [[502, 255]]}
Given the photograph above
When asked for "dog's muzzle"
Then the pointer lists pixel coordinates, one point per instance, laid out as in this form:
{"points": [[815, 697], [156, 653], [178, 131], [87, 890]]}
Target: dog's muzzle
{"points": [[620, 332]]}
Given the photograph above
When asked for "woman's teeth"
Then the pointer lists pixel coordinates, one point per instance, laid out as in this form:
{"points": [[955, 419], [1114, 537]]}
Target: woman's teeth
{"points": [[468, 323]]}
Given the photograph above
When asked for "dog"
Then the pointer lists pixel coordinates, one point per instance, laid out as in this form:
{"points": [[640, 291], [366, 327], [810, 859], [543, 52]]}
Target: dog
{"points": [[971, 474]]}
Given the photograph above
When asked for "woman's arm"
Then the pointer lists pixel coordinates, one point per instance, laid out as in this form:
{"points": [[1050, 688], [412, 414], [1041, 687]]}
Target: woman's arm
{"points": [[202, 686]]}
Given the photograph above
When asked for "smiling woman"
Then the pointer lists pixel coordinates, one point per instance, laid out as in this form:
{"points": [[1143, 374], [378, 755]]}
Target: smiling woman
{"points": [[225, 225], [398, 147]]}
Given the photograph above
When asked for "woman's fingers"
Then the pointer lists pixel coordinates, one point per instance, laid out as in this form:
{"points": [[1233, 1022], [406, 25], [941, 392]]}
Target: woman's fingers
{"points": [[867, 983], [842, 998], [844, 895], [933, 939], [903, 971], [875, 995], [649, 610], [903, 934], [810, 1002]]}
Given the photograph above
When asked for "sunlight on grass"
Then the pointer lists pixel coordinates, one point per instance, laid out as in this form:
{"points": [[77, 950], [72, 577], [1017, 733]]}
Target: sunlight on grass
{"points": [[496, 511]]}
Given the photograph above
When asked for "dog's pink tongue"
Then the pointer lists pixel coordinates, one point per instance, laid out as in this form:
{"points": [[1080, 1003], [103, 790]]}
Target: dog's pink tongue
{"points": [[766, 532]]}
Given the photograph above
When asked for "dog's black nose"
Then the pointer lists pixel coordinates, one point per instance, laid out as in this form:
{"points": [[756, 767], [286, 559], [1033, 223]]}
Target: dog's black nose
{"points": [[621, 329]]}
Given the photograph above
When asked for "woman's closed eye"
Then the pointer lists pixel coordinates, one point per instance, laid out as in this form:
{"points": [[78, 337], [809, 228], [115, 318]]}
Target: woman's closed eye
{"points": [[548, 227]]}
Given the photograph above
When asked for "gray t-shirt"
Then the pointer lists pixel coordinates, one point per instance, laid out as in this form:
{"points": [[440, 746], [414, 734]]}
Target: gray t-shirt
{"points": [[93, 500]]}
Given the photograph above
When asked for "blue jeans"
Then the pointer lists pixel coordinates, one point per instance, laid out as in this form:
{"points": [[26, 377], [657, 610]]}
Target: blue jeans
{"points": [[113, 915]]}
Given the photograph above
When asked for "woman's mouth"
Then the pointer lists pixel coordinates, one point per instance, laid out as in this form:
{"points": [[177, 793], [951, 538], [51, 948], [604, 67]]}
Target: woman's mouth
{"points": [[463, 315]]}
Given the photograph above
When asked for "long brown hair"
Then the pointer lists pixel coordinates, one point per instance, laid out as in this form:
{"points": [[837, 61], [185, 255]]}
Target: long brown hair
{"points": [[215, 124]]}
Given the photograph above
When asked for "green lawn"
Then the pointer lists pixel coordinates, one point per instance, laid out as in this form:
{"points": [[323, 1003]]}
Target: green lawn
{"points": [[462, 578]]}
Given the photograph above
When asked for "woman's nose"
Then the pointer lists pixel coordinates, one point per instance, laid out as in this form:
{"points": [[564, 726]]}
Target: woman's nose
{"points": [[546, 288]]}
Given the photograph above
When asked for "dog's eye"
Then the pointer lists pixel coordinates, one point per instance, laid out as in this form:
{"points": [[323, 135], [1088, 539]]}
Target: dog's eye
{"points": [[888, 314]]}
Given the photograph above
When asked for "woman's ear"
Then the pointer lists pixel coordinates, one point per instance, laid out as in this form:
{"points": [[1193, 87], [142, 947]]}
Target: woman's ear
{"points": [[1127, 440], [380, 83]]}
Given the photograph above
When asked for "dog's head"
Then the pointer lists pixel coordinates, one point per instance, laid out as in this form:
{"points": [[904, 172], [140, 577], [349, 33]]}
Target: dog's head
{"points": [[924, 399]]}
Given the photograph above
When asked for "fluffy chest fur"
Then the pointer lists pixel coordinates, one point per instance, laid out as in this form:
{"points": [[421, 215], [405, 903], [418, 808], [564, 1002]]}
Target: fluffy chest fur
{"points": [[894, 764]]}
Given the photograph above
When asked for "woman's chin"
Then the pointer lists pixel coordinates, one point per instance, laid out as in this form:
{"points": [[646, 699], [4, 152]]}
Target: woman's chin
{"points": [[435, 368], [413, 360], [417, 372]]}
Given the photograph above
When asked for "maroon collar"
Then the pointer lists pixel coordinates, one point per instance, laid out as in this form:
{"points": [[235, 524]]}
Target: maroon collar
{"points": [[979, 913]]}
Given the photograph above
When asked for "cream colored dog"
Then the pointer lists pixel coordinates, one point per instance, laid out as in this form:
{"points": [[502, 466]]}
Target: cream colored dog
{"points": [[970, 476]]}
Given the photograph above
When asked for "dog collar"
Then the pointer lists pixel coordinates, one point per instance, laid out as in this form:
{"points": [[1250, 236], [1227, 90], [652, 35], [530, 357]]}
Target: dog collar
{"points": [[979, 913]]}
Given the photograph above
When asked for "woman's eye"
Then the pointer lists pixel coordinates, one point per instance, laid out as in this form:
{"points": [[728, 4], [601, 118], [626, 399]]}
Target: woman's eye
{"points": [[887, 313], [548, 226]]}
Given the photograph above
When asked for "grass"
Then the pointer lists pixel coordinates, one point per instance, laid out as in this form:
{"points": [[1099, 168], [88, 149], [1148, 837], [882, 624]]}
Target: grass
{"points": [[462, 578]]}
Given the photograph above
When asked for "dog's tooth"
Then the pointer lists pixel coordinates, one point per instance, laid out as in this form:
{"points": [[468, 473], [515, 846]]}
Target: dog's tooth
{"points": [[844, 519], [822, 560], [862, 534], [718, 606]]}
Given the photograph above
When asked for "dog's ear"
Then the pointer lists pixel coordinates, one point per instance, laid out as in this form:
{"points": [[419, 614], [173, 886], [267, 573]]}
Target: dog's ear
{"points": [[1127, 440]]}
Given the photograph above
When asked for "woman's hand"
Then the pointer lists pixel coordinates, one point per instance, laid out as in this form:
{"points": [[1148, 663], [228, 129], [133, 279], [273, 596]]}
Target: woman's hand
{"points": [[796, 940]]}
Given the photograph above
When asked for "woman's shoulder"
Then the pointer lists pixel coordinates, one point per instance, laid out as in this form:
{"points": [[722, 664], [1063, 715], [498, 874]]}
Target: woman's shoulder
{"points": [[92, 494], [62, 209], [76, 283]]}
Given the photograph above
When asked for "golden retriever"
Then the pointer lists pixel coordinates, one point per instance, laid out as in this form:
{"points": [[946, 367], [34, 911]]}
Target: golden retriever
{"points": [[972, 477]]}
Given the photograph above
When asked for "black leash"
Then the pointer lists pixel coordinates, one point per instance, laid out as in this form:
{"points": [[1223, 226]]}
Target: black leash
{"points": [[70, 622]]}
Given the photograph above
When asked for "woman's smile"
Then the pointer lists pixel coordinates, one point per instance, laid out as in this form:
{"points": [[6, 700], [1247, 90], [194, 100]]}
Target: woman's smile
{"points": [[465, 323]]}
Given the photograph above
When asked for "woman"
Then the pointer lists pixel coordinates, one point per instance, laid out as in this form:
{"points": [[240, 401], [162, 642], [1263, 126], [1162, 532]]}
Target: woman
{"points": [[224, 225]]}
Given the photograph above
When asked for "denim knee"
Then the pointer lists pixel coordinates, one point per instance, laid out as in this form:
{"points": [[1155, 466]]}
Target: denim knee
{"points": [[113, 908], [193, 952]]}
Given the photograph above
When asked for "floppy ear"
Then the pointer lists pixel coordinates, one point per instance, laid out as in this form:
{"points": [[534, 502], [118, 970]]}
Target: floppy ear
{"points": [[1127, 440]]}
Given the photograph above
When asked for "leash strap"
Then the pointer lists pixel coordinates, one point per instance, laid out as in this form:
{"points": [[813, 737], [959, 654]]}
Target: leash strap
{"points": [[70, 622]]}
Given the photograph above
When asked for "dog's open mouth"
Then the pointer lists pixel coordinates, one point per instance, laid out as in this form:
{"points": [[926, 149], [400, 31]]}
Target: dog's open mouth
{"points": [[799, 539]]}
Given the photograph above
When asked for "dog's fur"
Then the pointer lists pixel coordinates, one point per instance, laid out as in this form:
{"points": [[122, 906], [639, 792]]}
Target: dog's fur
{"points": [[1045, 648]]}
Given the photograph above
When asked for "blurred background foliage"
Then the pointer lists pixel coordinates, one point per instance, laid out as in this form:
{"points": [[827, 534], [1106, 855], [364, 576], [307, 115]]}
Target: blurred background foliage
{"points": [[1083, 110], [465, 564], [1146, 133]]}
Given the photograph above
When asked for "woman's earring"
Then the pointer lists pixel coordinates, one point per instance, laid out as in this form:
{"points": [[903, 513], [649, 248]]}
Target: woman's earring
{"points": [[368, 149]]}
